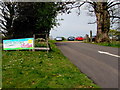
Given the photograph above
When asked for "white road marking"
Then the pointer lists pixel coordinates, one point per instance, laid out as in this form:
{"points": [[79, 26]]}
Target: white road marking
{"points": [[109, 54]]}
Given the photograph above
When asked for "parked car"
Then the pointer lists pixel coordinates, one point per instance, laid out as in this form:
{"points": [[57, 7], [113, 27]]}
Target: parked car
{"points": [[71, 38], [79, 38], [58, 38]]}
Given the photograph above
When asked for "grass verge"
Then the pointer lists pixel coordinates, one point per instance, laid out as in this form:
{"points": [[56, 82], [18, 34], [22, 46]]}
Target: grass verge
{"points": [[111, 44], [28, 69]]}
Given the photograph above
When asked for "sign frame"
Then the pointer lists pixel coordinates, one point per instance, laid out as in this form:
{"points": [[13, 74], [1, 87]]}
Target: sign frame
{"points": [[18, 44]]}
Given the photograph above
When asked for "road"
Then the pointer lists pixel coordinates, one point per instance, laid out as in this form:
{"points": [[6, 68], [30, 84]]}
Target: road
{"points": [[99, 63]]}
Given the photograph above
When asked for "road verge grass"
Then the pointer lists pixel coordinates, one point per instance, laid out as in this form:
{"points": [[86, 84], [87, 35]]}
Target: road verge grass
{"points": [[115, 44], [39, 69]]}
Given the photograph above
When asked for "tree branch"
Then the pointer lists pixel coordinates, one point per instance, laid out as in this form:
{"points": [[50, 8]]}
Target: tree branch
{"points": [[109, 4], [67, 6], [3, 27], [1, 16], [3, 32], [92, 22], [113, 5], [3, 23], [115, 17]]}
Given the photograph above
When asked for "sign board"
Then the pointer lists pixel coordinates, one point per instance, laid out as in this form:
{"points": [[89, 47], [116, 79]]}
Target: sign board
{"points": [[18, 44]]}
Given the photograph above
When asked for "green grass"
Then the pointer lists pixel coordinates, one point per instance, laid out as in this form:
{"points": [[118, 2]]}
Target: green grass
{"points": [[111, 44], [28, 69], [115, 44]]}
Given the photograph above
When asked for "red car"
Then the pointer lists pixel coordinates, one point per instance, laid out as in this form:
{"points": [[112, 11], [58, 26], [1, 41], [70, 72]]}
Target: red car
{"points": [[79, 38]]}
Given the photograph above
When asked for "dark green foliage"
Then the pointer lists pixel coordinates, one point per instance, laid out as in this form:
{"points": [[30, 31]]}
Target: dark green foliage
{"points": [[34, 18], [30, 18], [24, 24], [47, 13]]}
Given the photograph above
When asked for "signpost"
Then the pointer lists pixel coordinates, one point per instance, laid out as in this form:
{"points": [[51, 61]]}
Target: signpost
{"points": [[18, 44]]}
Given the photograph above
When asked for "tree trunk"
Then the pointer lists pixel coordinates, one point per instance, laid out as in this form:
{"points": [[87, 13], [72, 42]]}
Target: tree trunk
{"points": [[103, 22]]}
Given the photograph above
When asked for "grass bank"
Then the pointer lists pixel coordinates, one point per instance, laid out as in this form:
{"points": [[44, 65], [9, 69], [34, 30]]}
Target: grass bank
{"points": [[115, 44], [28, 69]]}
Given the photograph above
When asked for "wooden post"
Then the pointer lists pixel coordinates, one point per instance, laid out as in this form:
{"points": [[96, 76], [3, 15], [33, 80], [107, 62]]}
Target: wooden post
{"points": [[47, 41], [33, 42], [90, 36], [87, 38]]}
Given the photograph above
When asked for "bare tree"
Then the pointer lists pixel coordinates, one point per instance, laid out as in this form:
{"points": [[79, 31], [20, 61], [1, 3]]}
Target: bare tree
{"points": [[105, 12], [7, 16]]}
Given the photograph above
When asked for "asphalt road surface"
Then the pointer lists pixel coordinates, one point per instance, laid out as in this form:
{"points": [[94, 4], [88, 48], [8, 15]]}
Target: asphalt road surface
{"points": [[99, 63]]}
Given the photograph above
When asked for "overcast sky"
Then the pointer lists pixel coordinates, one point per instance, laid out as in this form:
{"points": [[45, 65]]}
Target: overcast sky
{"points": [[74, 25]]}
